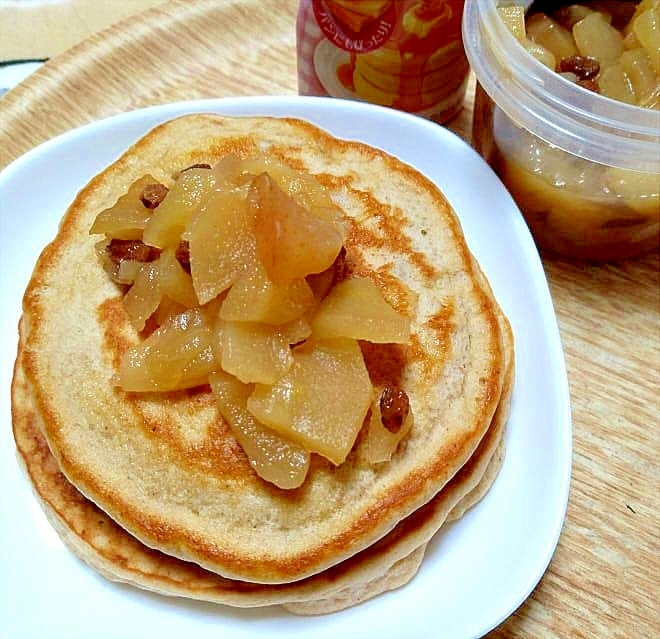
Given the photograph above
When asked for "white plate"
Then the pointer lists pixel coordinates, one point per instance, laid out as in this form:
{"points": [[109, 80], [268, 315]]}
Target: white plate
{"points": [[476, 573]]}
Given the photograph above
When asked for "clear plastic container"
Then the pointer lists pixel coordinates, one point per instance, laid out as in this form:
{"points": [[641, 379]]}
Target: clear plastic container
{"points": [[584, 169]]}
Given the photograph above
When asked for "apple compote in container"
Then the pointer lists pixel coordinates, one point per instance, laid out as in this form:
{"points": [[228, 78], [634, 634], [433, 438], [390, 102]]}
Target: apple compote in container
{"points": [[584, 168]]}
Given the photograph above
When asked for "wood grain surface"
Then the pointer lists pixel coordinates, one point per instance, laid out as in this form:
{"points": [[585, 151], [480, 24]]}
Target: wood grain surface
{"points": [[604, 580], [42, 28]]}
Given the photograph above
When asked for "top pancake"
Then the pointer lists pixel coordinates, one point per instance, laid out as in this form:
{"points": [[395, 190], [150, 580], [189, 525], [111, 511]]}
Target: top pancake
{"points": [[165, 466]]}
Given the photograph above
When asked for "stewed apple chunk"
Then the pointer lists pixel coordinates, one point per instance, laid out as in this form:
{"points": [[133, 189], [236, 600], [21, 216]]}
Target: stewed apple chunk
{"points": [[300, 186], [273, 457], [356, 308], [174, 281], [143, 298], [292, 242], [163, 277], [256, 298], [172, 216], [321, 402], [177, 355], [222, 243], [127, 218], [254, 352]]}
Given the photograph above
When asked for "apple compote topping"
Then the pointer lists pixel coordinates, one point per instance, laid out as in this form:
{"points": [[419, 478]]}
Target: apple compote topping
{"points": [[235, 275], [611, 48]]}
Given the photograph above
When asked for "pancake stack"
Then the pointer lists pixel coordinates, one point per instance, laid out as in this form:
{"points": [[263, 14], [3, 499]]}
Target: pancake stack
{"points": [[153, 489]]}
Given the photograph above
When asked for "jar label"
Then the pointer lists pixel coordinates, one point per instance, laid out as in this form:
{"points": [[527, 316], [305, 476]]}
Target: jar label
{"points": [[355, 31], [406, 54]]}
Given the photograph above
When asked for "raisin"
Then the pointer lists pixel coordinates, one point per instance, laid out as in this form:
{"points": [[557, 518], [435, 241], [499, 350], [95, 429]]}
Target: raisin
{"points": [[394, 408], [590, 85], [134, 250], [153, 195], [182, 254], [583, 66]]}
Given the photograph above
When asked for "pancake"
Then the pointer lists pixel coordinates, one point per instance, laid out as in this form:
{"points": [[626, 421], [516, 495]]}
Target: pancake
{"points": [[109, 549], [398, 575], [166, 467], [474, 496]]}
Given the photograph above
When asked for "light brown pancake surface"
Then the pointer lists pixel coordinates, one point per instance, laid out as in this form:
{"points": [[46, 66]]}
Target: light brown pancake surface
{"points": [[166, 467]]}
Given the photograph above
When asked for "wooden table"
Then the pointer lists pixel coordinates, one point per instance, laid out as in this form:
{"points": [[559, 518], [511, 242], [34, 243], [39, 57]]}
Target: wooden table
{"points": [[604, 580]]}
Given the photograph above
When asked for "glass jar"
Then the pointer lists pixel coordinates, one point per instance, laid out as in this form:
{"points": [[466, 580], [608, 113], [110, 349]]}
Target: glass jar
{"points": [[404, 54], [584, 169]]}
